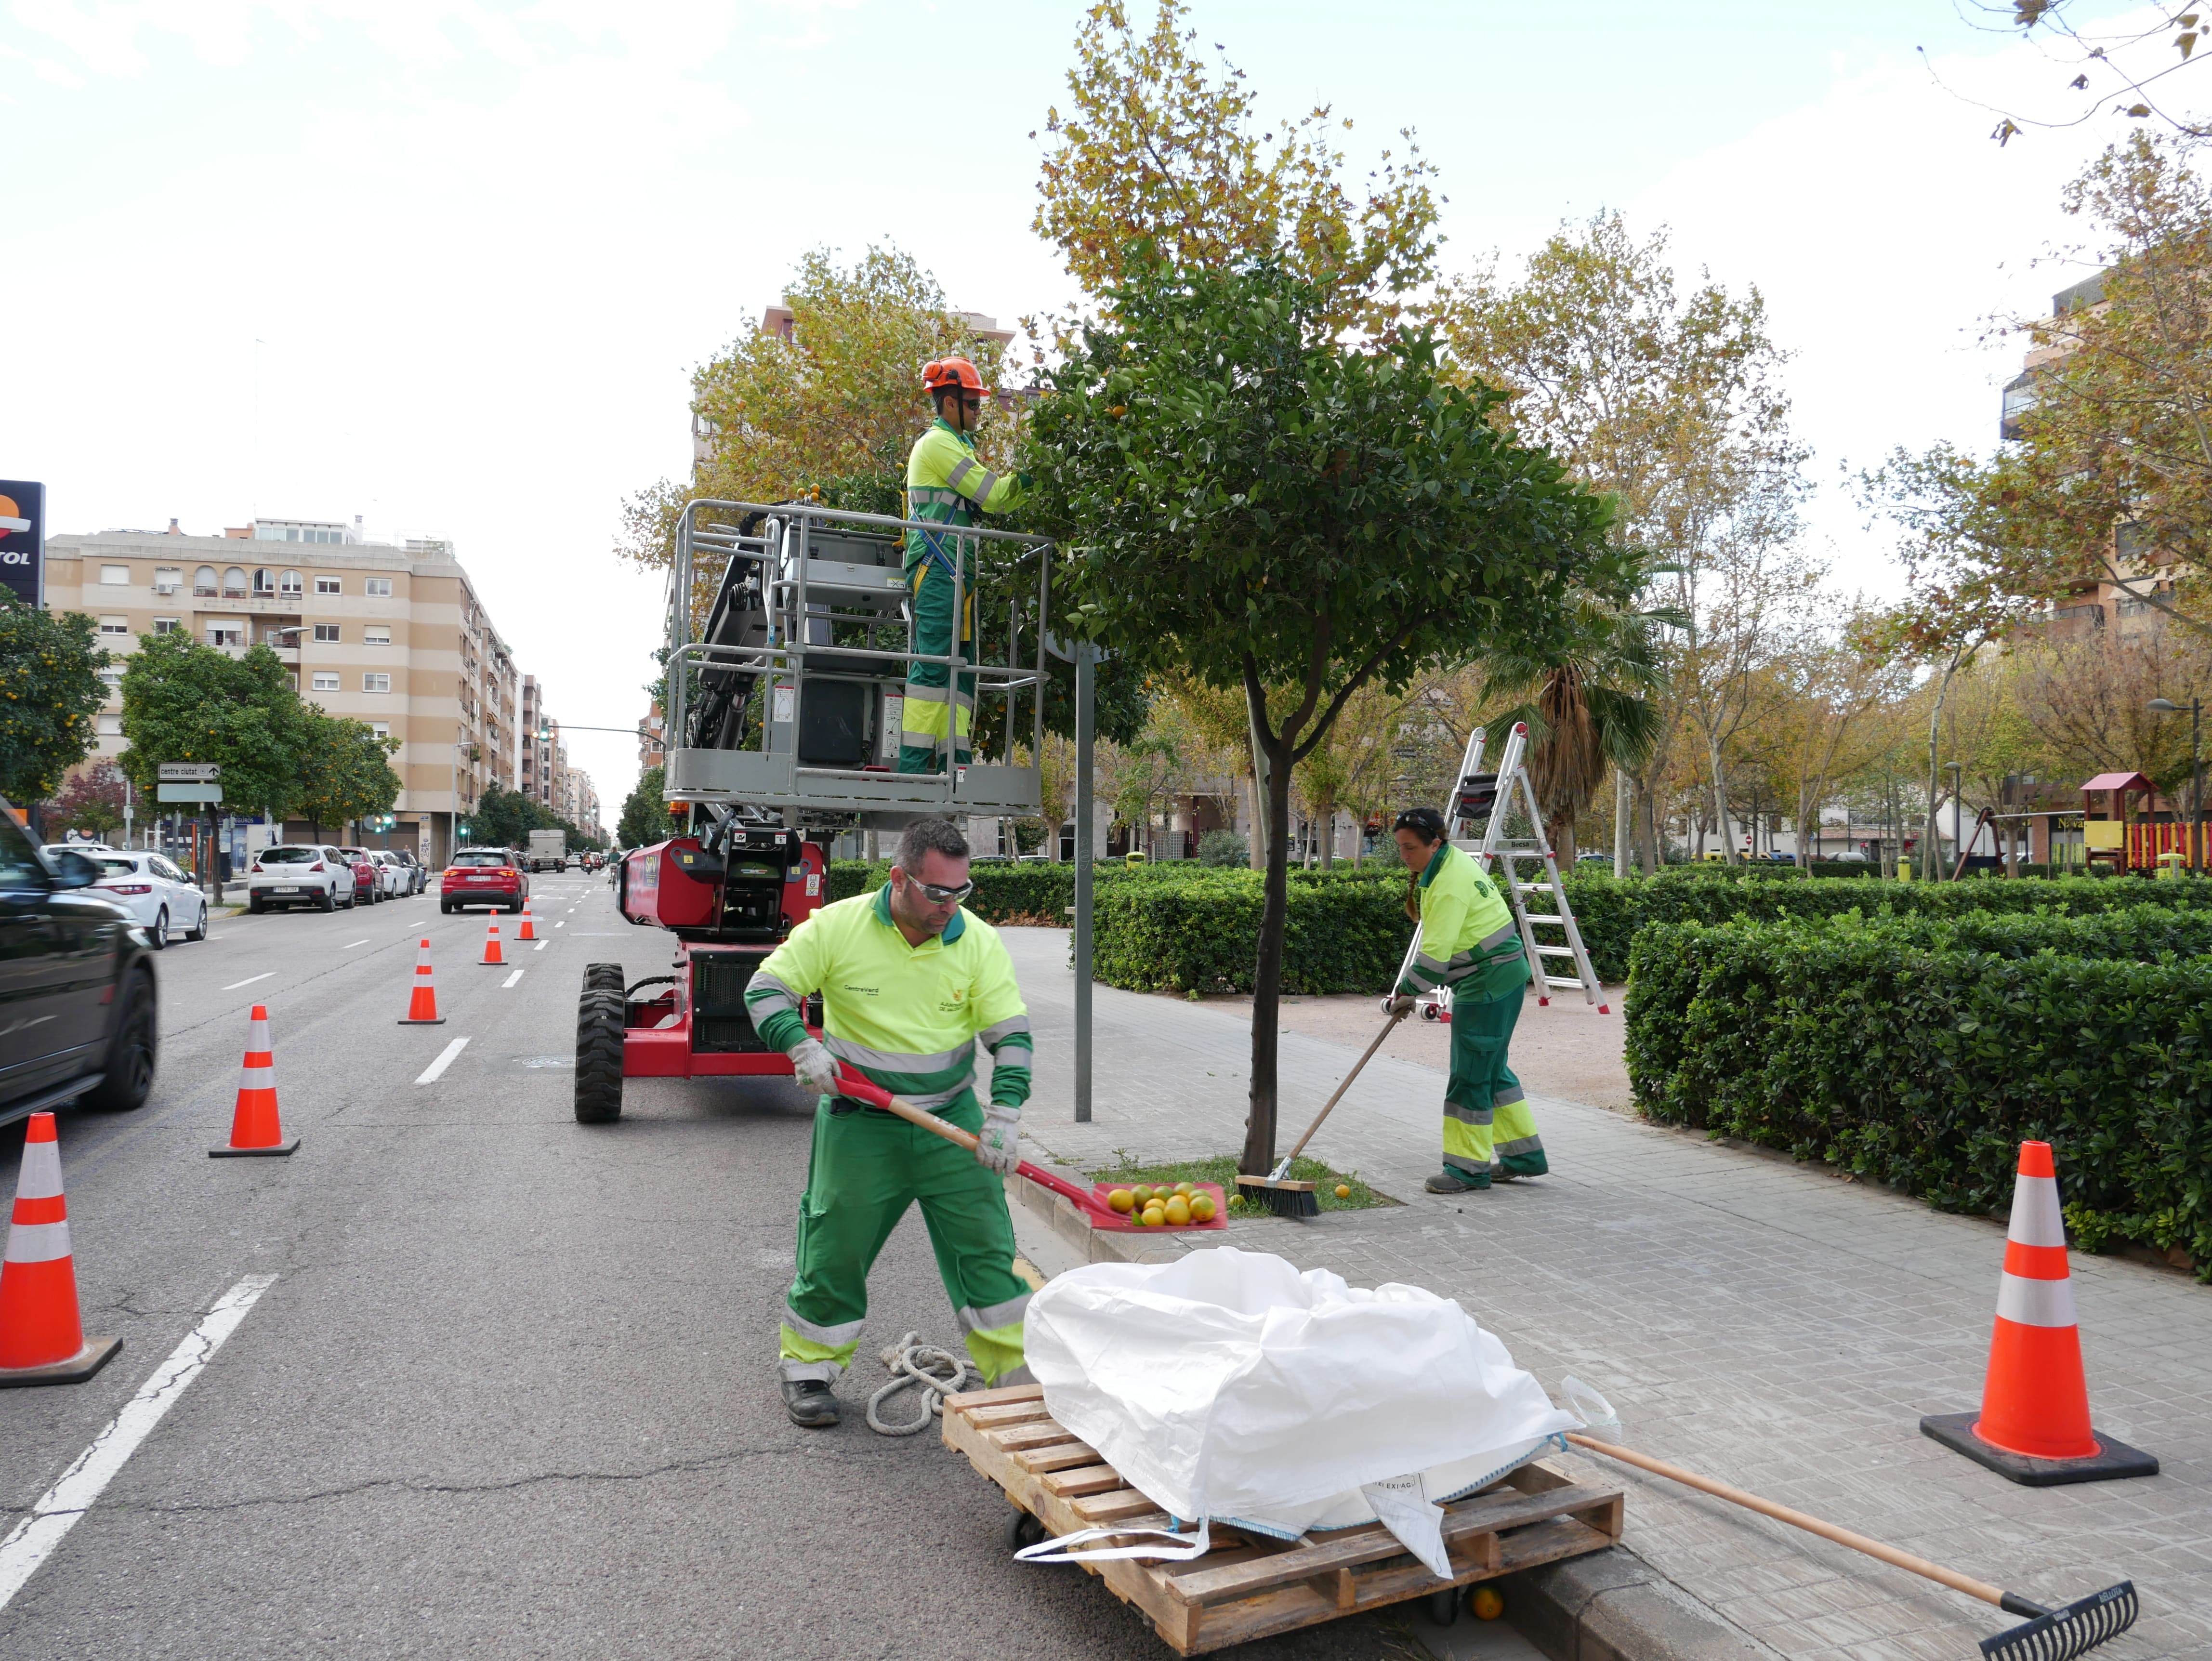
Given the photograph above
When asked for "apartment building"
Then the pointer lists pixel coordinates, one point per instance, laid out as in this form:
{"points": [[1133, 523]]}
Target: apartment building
{"points": [[392, 634]]}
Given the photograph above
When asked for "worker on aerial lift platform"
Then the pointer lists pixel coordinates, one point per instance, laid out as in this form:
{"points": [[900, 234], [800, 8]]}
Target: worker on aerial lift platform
{"points": [[945, 484], [909, 982], [1469, 943]]}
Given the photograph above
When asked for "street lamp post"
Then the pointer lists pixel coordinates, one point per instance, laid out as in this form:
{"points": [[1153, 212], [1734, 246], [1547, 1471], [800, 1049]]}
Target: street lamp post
{"points": [[2167, 706], [1958, 819]]}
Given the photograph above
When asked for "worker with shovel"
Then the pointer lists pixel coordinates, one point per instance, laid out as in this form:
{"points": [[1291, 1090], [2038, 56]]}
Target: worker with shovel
{"points": [[1469, 943], [945, 484], [908, 981]]}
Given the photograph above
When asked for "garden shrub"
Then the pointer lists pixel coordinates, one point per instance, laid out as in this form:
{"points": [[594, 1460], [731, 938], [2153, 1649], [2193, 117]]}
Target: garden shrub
{"points": [[1922, 1050]]}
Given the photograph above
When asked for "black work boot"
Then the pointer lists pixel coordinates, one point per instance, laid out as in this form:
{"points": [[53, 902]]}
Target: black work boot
{"points": [[809, 1403]]}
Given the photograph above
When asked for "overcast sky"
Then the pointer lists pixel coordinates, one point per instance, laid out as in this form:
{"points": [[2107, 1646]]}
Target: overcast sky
{"points": [[448, 264]]}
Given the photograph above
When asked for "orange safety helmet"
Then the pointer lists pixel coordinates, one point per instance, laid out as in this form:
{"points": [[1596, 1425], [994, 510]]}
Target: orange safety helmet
{"points": [[953, 374]]}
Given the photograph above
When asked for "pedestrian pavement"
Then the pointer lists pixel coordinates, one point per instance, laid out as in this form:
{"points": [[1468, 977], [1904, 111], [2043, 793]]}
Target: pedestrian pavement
{"points": [[1772, 1324]]}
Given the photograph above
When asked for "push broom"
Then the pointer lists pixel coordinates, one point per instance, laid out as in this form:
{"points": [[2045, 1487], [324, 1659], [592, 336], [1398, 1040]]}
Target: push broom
{"points": [[1275, 1190], [2049, 1634]]}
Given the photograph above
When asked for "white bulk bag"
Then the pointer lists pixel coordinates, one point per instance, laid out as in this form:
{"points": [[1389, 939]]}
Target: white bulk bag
{"points": [[1229, 1387]]}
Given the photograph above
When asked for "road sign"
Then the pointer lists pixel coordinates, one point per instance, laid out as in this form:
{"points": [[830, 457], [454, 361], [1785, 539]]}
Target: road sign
{"points": [[190, 772], [190, 791], [23, 539]]}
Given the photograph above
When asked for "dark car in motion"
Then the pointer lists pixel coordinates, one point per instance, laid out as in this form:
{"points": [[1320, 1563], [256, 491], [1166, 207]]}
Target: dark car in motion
{"points": [[78, 1016]]}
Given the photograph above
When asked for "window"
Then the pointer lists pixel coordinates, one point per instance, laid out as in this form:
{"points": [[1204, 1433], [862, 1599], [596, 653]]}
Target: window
{"points": [[381, 728], [113, 677], [203, 582], [115, 575], [376, 636], [225, 634], [167, 579], [233, 583], [111, 727], [326, 680], [167, 872], [376, 683], [265, 584], [166, 625], [115, 625], [326, 633], [288, 583], [377, 587], [329, 586]]}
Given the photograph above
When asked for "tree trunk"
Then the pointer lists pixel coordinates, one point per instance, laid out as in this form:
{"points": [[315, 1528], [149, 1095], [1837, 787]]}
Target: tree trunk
{"points": [[1259, 1156], [1931, 857], [1257, 855], [1560, 832], [1720, 803], [1623, 809]]}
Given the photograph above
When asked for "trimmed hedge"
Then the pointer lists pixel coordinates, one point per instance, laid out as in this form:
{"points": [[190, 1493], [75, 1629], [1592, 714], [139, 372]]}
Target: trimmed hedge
{"points": [[1612, 912], [1922, 1051], [1040, 891], [1201, 933]]}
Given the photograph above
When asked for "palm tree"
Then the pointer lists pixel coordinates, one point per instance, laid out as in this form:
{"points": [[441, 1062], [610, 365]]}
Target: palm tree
{"points": [[1587, 709]]}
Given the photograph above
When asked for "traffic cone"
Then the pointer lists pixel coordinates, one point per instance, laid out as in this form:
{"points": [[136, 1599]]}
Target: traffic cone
{"points": [[491, 948], [2034, 1426], [254, 1129], [42, 1338], [422, 1005], [526, 933]]}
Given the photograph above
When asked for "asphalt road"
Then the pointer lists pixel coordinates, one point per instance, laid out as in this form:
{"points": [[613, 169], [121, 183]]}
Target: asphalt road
{"points": [[511, 1391]]}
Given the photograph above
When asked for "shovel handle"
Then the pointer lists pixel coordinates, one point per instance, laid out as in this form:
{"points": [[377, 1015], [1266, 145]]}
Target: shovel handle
{"points": [[1797, 1519], [850, 1083]]}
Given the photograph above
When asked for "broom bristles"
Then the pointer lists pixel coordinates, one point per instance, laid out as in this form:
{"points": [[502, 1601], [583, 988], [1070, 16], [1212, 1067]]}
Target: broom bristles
{"points": [[1296, 1201]]}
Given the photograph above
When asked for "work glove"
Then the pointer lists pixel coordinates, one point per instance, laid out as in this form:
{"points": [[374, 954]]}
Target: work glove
{"points": [[1401, 1004], [998, 1144], [816, 1068]]}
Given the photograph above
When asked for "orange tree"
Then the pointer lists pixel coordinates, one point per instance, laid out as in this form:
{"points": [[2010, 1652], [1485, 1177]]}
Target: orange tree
{"points": [[1257, 503]]}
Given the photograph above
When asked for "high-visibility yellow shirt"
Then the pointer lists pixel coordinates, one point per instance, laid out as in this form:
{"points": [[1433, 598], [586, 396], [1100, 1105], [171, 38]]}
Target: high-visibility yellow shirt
{"points": [[1468, 939], [906, 1016], [945, 484]]}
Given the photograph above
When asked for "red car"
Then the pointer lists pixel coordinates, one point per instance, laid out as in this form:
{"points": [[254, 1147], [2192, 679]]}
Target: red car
{"points": [[483, 876]]}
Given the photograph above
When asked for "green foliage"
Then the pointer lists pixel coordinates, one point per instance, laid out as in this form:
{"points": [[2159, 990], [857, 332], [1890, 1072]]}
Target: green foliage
{"points": [[344, 771], [645, 817], [1612, 912], [1224, 849], [505, 819], [186, 701], [1199, 931], [1922, 1050], [50, 691]]}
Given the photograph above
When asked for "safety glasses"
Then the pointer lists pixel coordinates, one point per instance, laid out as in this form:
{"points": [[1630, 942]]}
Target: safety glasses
{"points": [[936, 896]]}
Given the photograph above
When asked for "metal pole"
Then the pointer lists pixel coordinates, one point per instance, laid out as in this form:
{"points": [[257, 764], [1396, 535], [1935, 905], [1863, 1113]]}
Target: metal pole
{"points": [[2195, 790], [1086, 658]]}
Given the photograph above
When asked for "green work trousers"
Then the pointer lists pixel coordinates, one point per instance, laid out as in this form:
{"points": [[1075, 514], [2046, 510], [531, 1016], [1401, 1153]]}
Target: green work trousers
{"points": [[1488, 1128], [867, 1168], [937, 716]]}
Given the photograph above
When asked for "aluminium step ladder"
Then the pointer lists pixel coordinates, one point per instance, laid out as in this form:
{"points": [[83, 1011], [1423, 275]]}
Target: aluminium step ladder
{"points": [[1500, 795]]}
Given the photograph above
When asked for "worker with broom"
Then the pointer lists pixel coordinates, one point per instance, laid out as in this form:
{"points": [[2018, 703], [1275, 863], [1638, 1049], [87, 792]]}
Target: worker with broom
{"points": [[1468, 943], [908, 981]]}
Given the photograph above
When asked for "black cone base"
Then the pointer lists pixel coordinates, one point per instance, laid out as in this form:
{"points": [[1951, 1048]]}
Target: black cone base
{"points": [[96, 1354], [279, 1151], [2112, 1460]]}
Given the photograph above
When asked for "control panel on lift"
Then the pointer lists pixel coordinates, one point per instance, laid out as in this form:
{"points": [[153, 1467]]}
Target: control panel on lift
{"points": [[755, 886]]}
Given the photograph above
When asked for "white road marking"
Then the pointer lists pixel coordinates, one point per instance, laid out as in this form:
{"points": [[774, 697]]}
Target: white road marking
{"points": [[56, 1511], [563, 923], [541, 945], [248, 981], [430, 1075], [511, 980], [350, 945]]}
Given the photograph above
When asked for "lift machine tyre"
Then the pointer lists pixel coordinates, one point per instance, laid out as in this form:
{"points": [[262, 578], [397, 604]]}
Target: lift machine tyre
{"points": [[790, 635]]}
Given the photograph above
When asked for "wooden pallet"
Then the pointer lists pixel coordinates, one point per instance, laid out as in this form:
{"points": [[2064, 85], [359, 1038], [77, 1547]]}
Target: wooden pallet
{"points": [[1246, 1587]]}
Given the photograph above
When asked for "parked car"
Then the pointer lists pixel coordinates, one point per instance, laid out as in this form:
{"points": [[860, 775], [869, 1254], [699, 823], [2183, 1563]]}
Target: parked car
{"points": [[483, 876], [157, 895], [53, 848], [300, 873], [79, 978], [393, 878], [365, 873], [418, 874]]}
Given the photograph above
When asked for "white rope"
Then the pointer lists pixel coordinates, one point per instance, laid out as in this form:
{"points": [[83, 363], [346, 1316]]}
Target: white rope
{"points": [[937, 1372]]}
